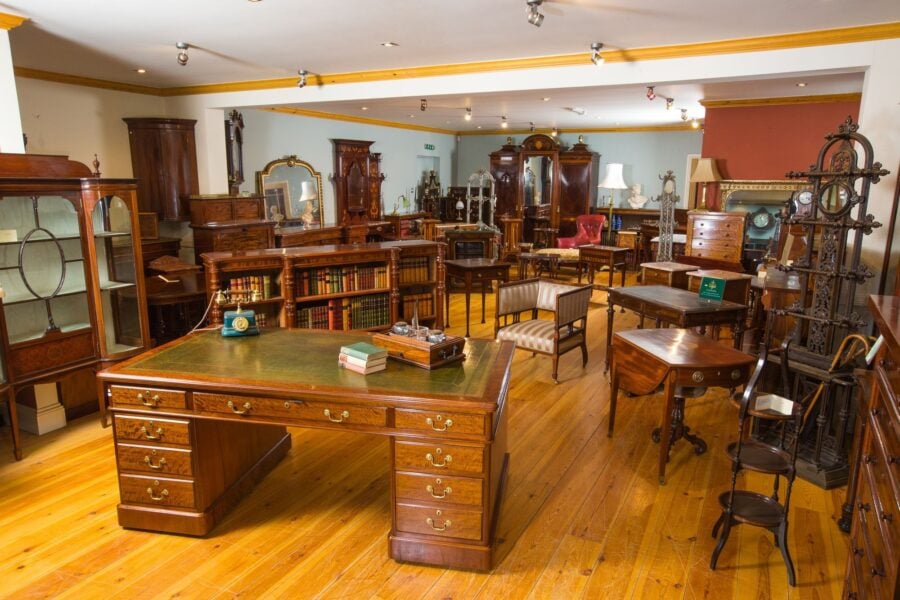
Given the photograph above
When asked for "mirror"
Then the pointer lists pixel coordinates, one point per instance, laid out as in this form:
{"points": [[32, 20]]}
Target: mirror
{"points": [[292, 190], [538, 172]]}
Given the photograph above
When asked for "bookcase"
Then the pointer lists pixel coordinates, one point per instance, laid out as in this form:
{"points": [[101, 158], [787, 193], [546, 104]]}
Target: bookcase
{"points": [[334, 287]]}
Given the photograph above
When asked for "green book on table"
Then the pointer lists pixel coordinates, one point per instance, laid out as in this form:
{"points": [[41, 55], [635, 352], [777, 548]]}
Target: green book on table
{"points": [[364, 351]]}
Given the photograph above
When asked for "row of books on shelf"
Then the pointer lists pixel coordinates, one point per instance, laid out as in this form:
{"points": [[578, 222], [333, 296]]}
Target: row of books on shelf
{"points": [[424, 302], [363, 358], [415, 269], [344, 314], [335, 280], [240, 289]]}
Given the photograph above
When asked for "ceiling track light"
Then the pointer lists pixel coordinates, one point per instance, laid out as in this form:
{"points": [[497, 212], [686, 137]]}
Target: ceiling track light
{"points": [[182, 57], [684, 116], [651, 95], [695, 123], [301, 83], [468, 116], [669, 103], [531, 12], [555, 132], [531, 126], [596, 57], [503, 122], [423, 104]]}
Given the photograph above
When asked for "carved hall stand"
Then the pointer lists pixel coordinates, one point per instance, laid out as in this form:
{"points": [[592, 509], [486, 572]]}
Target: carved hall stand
{"points": [[829, 271]]}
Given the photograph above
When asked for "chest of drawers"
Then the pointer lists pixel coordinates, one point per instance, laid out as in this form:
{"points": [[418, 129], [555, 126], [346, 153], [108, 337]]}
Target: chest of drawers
{"points": [[232, 236]]}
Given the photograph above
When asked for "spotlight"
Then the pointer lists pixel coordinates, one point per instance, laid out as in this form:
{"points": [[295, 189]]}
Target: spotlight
{"points": [[468, 116], [695, 123], [182, 57], [651, 95], [531, 126], [503, 123], [555, 132], [302, 81], [684, 116], [423, 105], [596, 57], [532, 14], [669, 103]]}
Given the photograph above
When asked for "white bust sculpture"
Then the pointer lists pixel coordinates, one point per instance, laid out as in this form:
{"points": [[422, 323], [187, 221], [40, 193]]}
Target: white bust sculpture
{"points": [[636, 200]]}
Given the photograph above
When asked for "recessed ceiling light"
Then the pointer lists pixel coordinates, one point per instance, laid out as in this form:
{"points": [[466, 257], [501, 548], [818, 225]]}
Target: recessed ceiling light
{"points": [[389, 44], [546, 98], [141, 71], [479, 127], [412, 116], [365, 108], [801, 84]]}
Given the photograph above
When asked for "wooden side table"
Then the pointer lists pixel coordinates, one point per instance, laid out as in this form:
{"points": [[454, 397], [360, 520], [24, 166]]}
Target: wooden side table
{"points": [[632, 241], [672, 274], [595, 257], [737, 285], [681, 361], [485, 270]]}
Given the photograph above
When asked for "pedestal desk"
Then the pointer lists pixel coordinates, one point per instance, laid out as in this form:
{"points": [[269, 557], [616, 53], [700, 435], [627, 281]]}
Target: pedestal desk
{"points": [[198, 422]]}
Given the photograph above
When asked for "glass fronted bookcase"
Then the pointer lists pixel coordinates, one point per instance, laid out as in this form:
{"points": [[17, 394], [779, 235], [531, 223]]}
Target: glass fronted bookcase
{"points": [[70, 268]]}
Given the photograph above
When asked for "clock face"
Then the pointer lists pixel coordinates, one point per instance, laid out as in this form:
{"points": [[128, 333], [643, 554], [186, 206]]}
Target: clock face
{"points": [[761, 219], [240, 324]]}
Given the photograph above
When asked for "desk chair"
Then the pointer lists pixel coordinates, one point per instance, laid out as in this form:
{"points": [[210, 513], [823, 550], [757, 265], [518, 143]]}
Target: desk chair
{"points": [[567, 330]]}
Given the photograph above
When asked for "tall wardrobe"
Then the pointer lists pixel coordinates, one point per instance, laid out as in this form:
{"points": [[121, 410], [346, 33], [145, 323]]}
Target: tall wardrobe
{"points": [[543, 183]]}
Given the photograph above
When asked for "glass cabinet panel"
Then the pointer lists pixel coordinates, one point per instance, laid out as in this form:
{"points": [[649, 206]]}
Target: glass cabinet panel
{"points": [[42, 267], [114, 243]]}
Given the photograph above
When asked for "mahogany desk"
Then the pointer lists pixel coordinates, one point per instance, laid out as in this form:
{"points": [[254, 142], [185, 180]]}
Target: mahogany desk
{"points": [[645, 359], [485, 270], [199, 421], [676, 307]]}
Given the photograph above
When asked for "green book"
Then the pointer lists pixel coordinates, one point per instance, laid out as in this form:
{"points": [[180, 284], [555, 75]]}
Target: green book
{"points": [[364, 351]]}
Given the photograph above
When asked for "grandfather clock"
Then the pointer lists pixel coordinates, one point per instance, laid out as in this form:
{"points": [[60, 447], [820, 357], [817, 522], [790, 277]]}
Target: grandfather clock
{"points": [[357, 182]]}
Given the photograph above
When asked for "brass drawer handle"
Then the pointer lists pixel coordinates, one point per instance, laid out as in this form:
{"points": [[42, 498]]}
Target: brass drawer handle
{"points": [[869, 459], [438, 418], [431, 457], [446, 491], [887, 517], [148, 435], [443, 527], [158, 466], [152, 403], [245, 408], [162, 495], [345, 414]]}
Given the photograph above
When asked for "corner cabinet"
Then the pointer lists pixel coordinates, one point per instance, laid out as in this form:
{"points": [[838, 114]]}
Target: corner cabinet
{"points": [[70, 267], [351, 287]]}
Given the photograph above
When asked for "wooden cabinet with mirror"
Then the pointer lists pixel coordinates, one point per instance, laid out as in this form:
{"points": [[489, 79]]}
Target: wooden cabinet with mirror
{"points": [[357, 182], [70, 267], [544, 184]]}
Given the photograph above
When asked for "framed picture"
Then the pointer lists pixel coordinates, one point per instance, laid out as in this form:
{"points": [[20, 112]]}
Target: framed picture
{"points": [[276, 196]]}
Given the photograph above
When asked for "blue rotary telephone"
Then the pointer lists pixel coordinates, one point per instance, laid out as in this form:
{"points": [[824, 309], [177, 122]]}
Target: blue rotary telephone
{"points": [[240, 321]]}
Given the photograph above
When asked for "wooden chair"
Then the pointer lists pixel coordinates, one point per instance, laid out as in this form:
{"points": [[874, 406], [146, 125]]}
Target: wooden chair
{"points": [[567, 330]]}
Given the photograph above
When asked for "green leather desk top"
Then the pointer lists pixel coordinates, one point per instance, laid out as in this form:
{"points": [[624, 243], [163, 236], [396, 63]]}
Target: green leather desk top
{"points": [[307, 361]]}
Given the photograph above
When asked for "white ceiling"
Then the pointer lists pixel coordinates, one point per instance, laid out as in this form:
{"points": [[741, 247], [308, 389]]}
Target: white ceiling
{"points": [[239, 40]]}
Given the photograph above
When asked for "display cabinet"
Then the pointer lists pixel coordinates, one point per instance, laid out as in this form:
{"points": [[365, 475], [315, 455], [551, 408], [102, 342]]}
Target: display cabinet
{"points": [[357, 181], [6, 390], [70, 266]]}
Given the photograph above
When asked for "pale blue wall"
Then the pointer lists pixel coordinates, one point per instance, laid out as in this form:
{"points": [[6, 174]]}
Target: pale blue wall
{"points": [[269, 135], [645, 155]]}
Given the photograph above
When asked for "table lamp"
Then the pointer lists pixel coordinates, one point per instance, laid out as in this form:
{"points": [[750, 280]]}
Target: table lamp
{"points": [[612, 181], [704, 173]]}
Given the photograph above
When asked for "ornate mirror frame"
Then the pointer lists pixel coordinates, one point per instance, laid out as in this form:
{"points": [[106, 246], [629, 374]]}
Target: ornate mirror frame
{"points": [[280, 183]]}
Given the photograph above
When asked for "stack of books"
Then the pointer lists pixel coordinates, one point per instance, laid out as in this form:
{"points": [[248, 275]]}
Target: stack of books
{"points": [[363, 357]]}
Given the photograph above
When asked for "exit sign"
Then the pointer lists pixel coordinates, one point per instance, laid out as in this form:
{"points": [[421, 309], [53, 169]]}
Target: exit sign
{"points": [[429, 146]]}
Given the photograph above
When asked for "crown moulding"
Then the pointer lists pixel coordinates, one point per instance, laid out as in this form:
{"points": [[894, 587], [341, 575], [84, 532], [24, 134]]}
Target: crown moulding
{"points": [[821, 99], [8, 21]]}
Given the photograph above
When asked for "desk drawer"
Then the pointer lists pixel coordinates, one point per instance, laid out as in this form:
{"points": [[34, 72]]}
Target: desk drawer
{"points": [[150, 459], [347, 414], [438, 458], [444, 522], [320, 412], [717, 249], [144, 429], [443, 423], [145, 397], [156, 491], [441, 489]]}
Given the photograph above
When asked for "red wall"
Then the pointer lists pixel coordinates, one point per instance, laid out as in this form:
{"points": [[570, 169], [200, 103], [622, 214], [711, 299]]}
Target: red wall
{"points": [[765, 142]]}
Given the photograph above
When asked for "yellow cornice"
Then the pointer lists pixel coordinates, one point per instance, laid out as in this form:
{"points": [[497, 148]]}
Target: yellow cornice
{"points": [[844, 35], [302, 112], [822, 99], [86, 81], [636, 129], [8, 21]]}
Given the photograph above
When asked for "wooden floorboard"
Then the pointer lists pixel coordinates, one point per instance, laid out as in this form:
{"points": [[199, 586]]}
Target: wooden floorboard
{"points": [[582, 517]]}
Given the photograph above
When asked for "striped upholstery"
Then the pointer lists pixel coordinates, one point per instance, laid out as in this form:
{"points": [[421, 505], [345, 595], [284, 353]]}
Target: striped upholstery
{"points": [[567, 330]]}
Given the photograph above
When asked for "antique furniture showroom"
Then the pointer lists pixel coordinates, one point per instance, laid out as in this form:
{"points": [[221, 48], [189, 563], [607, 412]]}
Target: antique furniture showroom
{"points": [[581, 299]]}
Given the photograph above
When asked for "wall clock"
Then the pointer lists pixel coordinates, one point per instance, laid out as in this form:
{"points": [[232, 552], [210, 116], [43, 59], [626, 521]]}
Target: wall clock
{"points": [[803, 202], [761, 219]]}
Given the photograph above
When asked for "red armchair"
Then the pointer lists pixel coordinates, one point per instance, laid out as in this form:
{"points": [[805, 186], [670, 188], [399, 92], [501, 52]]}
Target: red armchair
{"points": [[589, 229]]}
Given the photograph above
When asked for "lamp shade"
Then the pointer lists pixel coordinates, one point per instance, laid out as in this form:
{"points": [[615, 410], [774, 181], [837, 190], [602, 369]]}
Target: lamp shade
{"points": [[613, 179], [308, 190], [705, 171]]}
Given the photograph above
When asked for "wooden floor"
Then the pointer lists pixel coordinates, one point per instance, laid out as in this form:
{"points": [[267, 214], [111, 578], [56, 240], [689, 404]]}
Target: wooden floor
{"points": [[583, 516]]}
